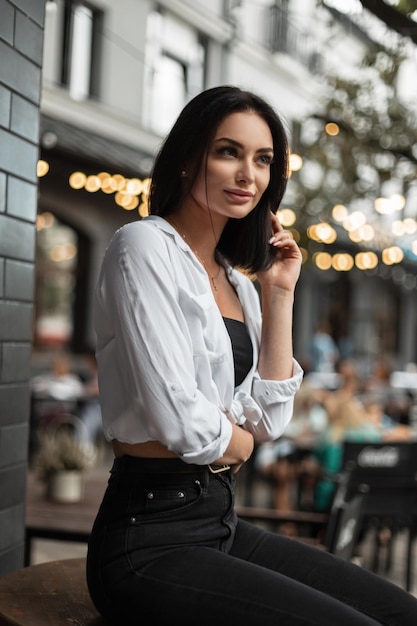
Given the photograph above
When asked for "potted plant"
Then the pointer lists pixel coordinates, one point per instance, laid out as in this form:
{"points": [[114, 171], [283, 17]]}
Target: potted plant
{"points": [[61, 460]]}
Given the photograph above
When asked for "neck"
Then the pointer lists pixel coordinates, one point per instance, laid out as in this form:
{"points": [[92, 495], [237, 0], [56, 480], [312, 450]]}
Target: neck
{"points": [[203, 248]]}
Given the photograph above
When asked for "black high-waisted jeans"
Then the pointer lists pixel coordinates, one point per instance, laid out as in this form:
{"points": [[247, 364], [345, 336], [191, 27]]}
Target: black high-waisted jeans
{"points": [[167, 548]]}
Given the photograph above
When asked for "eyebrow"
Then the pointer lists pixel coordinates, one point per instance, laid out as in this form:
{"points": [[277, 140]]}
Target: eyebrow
{"points": [[239, 145]]}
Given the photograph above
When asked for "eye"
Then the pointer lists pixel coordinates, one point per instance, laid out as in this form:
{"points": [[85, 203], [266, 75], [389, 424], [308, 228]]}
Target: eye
{"points": [[228, 151], [266, 159]]}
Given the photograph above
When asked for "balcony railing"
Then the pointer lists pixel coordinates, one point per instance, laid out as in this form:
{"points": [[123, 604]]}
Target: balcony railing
{"points": [[285, 38]]}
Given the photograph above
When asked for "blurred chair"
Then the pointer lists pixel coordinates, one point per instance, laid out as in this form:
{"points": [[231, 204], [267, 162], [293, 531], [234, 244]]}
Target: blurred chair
{"points": [[389, 471], [345, 518]]}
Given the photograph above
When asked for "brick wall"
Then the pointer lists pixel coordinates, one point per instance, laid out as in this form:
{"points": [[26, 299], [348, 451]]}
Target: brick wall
{"points": [[21, 40]]}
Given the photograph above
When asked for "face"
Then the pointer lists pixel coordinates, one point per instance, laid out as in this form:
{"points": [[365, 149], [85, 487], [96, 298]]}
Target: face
{"points": [[238, 166]]}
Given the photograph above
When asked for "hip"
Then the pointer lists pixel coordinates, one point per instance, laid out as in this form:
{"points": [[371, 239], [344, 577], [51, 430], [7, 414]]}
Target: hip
{"points": [[160, 503]]}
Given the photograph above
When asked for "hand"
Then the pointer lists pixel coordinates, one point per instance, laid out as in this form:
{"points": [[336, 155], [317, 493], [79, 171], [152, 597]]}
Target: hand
{"points": [[285, 270]]}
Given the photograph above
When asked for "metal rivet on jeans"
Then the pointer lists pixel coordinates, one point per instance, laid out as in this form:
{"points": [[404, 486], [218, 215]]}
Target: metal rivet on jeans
{"points": [[150, 495]]}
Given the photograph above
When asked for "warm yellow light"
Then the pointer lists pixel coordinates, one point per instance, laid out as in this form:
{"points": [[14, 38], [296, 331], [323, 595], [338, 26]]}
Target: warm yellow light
{"points": [[325, 233], [382, 206], [398, 228], [132, 204], [108, 186], [77, 180], [366, 260], [119, 181], [339, 212], [143, 209], [355, 235], [42, 168], [92, 184], [397, 201], [342, 262], [367, 232], [134, 186], [332, 129], [44, 220], [363, 233], [287, 217], [311, 232], [386, 206], [414, 247], [295, 234], [146, 186], [107, 183], [104, 177], [322, 232], [392, 255], [126, 190], [323, 260], [304, 255], [295, 162], [354, 221], [410, 225]]}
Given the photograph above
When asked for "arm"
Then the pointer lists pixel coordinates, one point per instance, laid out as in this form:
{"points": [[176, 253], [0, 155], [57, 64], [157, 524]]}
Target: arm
{"points": [[263, 404], [239, 449], [145, 352], [278, 286]]}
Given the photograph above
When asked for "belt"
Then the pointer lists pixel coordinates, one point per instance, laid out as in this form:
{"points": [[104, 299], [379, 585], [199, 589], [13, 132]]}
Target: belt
{"points": [[217, 469], [146, 465]]}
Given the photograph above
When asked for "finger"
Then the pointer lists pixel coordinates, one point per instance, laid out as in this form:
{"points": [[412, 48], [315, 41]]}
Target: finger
{"points": [[276, 224], [281, 238]]}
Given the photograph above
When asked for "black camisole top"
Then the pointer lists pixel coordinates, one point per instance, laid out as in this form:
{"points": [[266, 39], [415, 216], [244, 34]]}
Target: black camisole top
{"points": [[242, 348]]}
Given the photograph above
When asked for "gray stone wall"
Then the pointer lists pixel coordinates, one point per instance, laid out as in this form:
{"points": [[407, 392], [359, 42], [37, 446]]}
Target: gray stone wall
{"points": [[21, 40]]}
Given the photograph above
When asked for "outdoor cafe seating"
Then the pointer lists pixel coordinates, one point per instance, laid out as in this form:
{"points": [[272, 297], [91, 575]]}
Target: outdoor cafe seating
{"points": [[388, 472]]}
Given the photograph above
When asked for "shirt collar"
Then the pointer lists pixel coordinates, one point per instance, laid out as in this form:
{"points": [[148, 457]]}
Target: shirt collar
{"points": [[166, 227]]}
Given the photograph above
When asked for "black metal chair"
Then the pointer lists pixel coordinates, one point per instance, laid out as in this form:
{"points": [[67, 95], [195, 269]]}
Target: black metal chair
{"points": [[389, 471], [345, 519]]}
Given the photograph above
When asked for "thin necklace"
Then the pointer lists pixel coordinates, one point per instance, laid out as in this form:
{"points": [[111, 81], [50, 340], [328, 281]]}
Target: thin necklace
{"points": [[212, 278]]}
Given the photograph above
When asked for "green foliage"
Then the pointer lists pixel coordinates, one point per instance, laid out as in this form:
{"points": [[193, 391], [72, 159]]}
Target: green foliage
{"points": [[406, 6], [377, 141]]}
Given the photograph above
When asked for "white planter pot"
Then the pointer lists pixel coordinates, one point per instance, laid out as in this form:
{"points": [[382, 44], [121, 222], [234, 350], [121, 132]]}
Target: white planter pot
{"points": [[67, 486]]}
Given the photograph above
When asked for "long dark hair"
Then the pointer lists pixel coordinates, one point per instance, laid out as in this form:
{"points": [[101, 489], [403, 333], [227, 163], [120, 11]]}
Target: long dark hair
{"points": [[244, 242]]}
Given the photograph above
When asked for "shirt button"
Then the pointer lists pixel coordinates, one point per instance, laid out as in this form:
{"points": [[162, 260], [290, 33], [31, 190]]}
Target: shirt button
{"points": [[181, 494], [150, 495]]}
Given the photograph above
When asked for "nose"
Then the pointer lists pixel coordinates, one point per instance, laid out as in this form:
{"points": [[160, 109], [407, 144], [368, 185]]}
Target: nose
{"points": [[245, 172]]}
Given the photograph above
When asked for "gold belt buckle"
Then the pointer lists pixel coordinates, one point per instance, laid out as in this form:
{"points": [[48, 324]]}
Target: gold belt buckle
{"points": [[216, 469]]}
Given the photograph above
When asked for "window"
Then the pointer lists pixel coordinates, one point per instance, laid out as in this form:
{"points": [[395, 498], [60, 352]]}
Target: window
{"points": [[175, 61], [71, 50], [79, 67]]}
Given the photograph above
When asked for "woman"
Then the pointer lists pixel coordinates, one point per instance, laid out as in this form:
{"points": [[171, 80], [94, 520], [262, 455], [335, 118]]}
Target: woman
{"points": [[190, 377]]}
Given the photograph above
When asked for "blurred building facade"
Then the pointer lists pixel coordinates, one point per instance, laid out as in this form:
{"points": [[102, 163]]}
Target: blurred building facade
{"points": [[114, 79]]}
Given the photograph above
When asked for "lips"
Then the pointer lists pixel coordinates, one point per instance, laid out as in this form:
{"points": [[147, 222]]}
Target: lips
{"points": [[239, 196]]}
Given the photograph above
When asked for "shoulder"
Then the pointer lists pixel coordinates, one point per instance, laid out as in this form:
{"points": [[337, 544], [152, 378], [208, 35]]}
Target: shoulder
{"points": [[143, 230], [145, 238]]}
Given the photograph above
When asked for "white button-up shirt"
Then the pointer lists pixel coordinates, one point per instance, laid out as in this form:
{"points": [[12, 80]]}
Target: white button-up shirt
{"points": [[165, 361]]}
